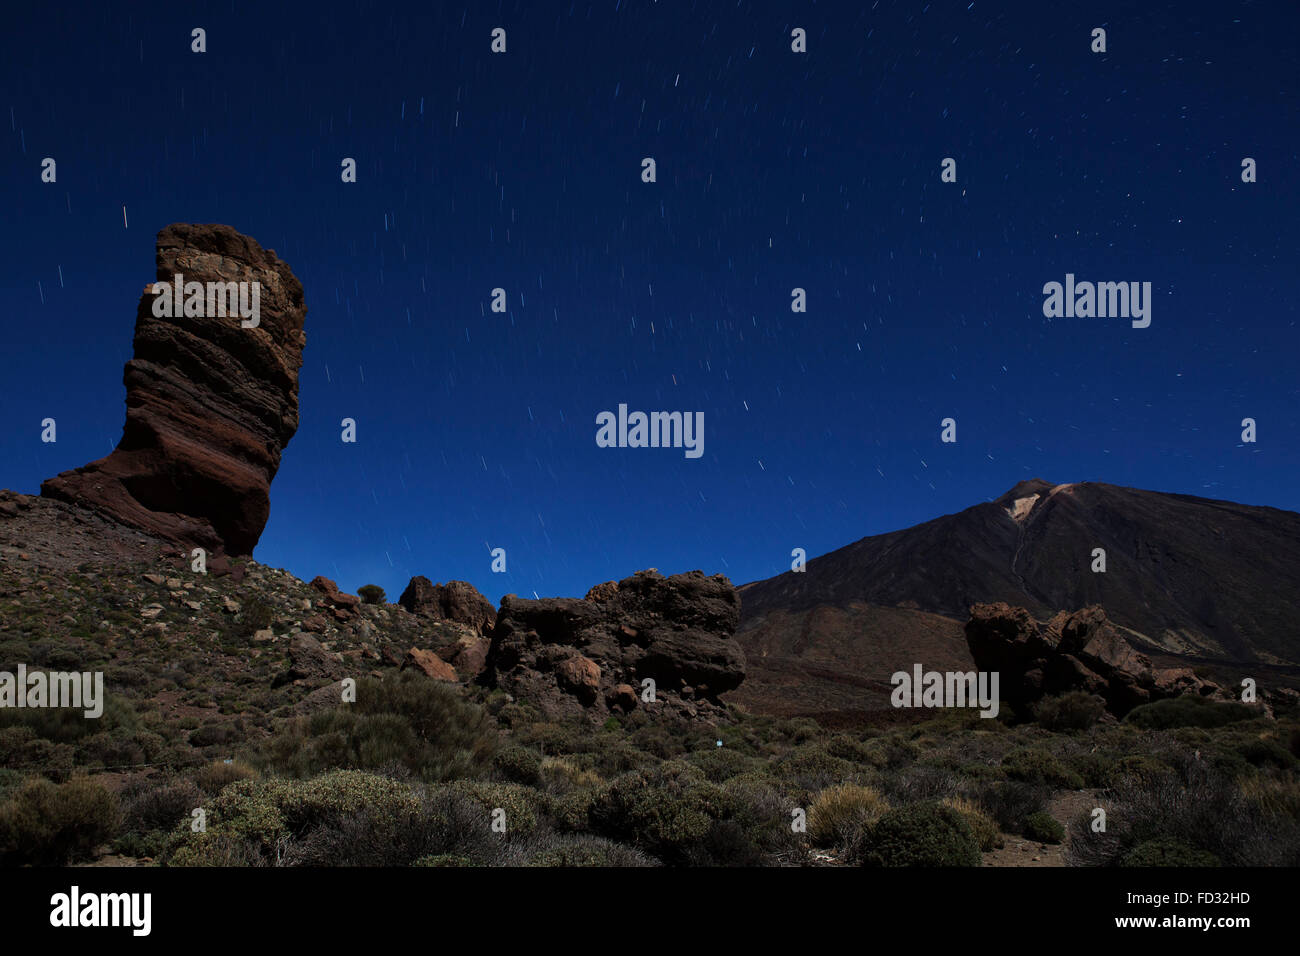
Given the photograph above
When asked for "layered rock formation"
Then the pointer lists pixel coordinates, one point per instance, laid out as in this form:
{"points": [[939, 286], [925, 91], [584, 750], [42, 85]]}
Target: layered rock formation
{"points": [[210, 404], [590, 655], [1075, 650]]}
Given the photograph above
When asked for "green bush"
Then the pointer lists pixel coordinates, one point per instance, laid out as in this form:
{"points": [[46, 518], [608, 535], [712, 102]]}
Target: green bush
{"points": [[922, 834], [664, 810], [521, 805], [255, 615], [586, 850], [1262, 752], [518, 765], [1044, 828], [47, 824], [1076, 710], [1167, 852], [408, 721], [258, 821], [1187, 711], [982, 825], [1034, 765], [372, 594]]}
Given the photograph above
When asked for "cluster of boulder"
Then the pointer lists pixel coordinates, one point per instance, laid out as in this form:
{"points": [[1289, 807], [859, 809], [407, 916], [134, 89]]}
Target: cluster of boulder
{"points": [[1074, 651], [647, 641]]}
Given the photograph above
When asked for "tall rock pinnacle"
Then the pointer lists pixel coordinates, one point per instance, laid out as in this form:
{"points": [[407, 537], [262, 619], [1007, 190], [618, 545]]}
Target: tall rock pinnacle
{"points": [[211, 395]]}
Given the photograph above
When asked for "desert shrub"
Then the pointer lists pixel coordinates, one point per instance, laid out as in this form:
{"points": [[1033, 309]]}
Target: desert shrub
{"points": [[1095, 769], [586, 850], [216, 776], [1035, 765], [1265, 752], [1168, 852], [518, 764], [658, 741], [725, 843], [1275, 797], [1010, 802], [48, 824], [1076, 710], [408, 722], [664, 810], [69, 724], [1142, 765], [443, 859], [267, 816], [765, 813], [159, 806], [922, 834], [10, 780], [371, 594], [813, 767], [841, 814], [255, 615], [219, 733], [982, 825], [1187, 711], [720, 764], [1044, 828], [889, 753], [22, 749], [1197, 806], [561, 775], [521, 805]]}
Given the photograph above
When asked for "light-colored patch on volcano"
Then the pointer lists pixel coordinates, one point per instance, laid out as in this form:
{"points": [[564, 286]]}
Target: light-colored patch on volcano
{"points": [[1021, 507], [1065, 487]]}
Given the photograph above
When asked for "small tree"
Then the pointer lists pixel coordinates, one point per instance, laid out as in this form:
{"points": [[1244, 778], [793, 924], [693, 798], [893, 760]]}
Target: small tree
{"points": [[372, 593]]}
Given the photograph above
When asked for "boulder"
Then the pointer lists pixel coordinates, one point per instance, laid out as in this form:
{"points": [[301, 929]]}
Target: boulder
{"points": [[456, 601], [429, 664], [587, 656], [343, 605], [309, 660], [210, 404], [1076, 650]]}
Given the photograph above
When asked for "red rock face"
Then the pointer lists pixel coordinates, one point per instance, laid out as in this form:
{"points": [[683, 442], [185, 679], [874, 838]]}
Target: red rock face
{"points": [[210, 404]]}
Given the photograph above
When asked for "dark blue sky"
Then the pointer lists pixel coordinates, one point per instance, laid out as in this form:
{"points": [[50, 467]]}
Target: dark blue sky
{"points": [[775, 170]]}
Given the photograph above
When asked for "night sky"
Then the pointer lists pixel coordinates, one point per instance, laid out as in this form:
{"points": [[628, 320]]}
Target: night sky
{"points": [[776, 170]]}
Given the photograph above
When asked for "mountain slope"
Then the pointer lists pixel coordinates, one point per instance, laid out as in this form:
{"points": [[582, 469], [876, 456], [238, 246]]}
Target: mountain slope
{"points": [[1188, 576]]}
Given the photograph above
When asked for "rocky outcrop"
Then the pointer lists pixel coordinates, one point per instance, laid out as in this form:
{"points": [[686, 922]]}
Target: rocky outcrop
{"points": [[1075, 650], [591, 655], [456, 601], [343, 606], [211, 403]]}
